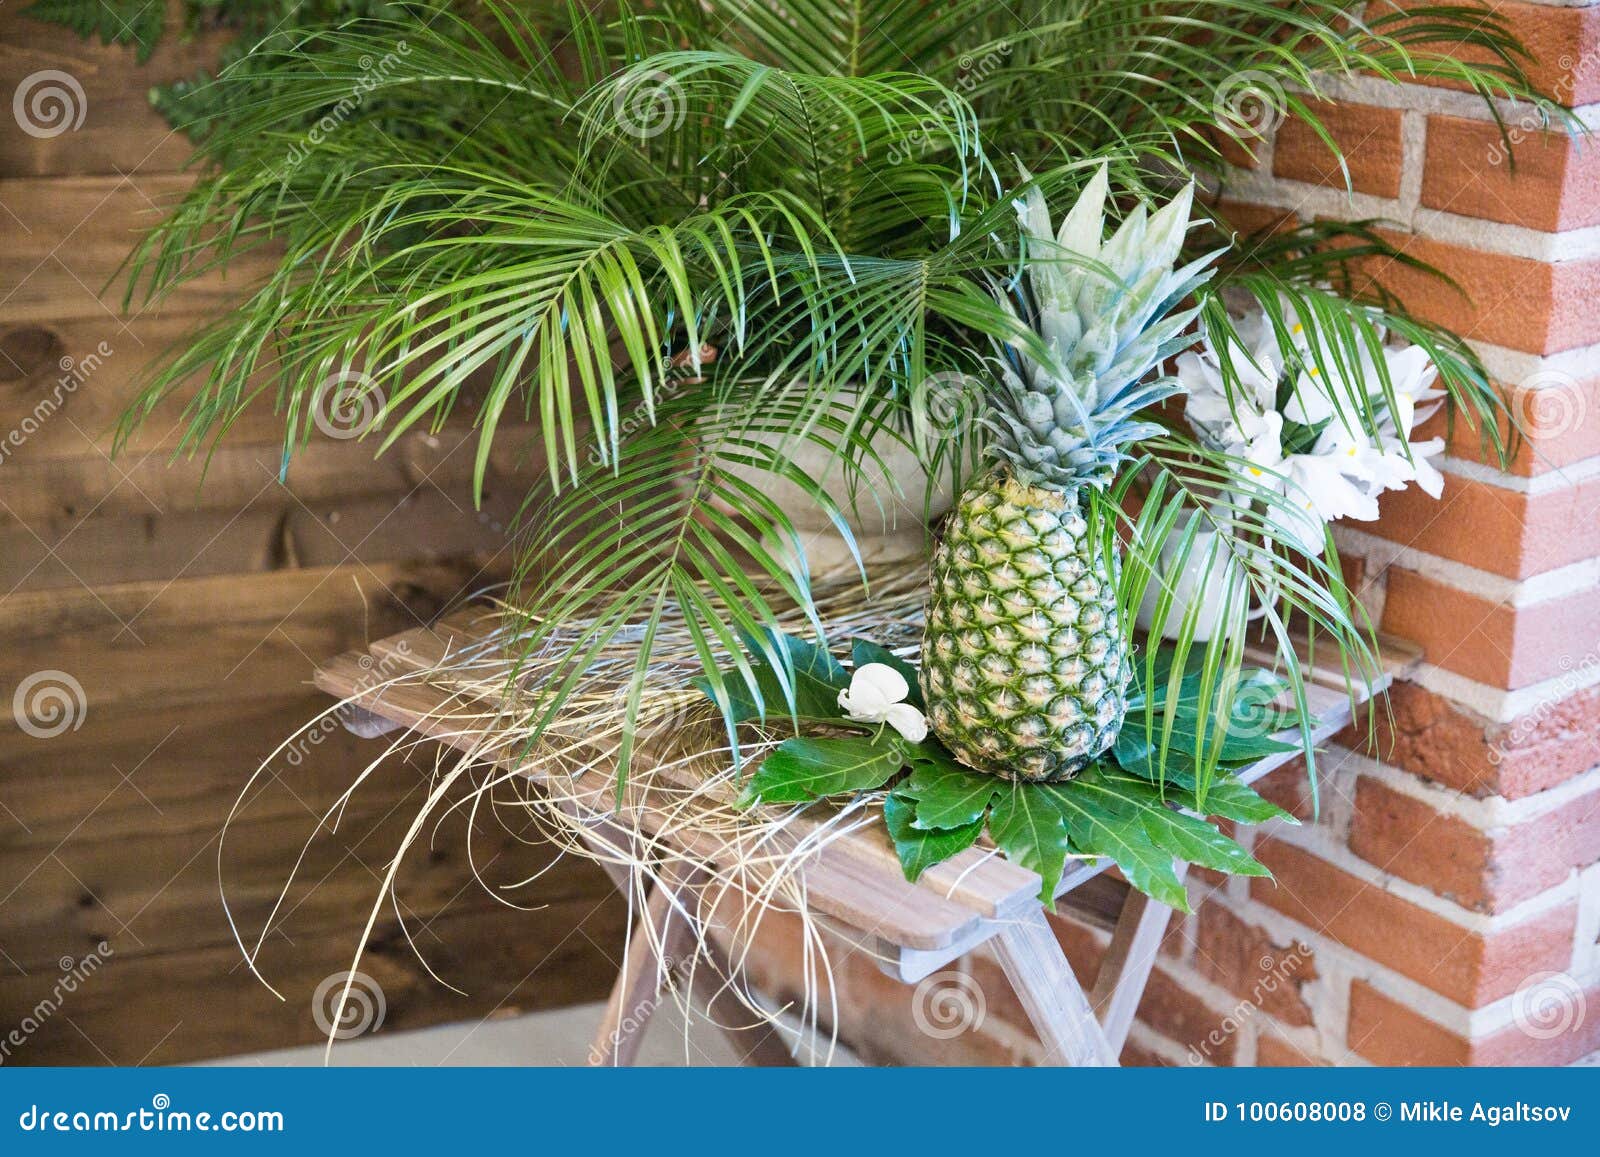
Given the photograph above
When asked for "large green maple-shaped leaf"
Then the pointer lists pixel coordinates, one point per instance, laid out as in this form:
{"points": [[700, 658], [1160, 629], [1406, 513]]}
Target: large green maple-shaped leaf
{"points": [[918, 849], [947, 795], [1184, 836], [1225, 796], [1098, 830], [1029, 826], [802, 769]]}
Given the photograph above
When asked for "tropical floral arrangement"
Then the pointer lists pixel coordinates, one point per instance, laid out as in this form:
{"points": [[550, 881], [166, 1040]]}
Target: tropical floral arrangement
{"points": [[855, 204], [1333, 436], [1123, 806]]}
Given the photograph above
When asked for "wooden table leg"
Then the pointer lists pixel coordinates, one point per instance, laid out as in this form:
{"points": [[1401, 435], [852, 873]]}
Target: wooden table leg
{"points": [[1125, 968], [758, 1044], [1038, 970], [661, 934]]}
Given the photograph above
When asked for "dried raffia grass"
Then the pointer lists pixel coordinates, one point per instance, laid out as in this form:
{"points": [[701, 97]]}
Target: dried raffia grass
{"points": [[727, 868]]}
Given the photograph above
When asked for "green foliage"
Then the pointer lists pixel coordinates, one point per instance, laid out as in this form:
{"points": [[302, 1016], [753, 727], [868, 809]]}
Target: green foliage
{"points": [[135, 22], [939, 808], [537, 212]]}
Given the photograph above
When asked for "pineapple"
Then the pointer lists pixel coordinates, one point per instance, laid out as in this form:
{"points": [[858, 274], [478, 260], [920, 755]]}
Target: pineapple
{"points": [[1025, 663]]}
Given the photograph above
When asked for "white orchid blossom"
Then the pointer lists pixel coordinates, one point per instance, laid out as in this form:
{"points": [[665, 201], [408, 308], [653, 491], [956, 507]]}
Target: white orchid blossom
{"points": [[1356, 455], [876, 695]]}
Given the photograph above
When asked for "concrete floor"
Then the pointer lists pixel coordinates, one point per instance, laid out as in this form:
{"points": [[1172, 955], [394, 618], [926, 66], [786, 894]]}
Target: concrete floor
{"points": [[559, 1037]]}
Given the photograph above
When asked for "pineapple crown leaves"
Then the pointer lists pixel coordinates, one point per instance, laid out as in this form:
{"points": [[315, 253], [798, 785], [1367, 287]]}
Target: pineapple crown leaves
{"points": [[1107, 313]]}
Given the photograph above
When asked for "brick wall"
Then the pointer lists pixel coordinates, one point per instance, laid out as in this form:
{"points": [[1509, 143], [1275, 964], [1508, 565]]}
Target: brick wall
{"points": [[1447, 901], [1445, 907]]}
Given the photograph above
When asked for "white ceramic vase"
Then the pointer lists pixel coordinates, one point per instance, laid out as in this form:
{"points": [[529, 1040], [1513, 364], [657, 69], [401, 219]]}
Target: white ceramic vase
{"points": [[1203, 580]]}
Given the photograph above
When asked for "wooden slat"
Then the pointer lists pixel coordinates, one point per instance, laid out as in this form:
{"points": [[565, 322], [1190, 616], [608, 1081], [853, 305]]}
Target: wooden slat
{"points": [[841, 880], [67, 238], [120, 132]]}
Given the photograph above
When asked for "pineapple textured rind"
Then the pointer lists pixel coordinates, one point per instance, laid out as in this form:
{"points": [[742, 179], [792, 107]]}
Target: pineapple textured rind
{"points": [[1024, 663]]}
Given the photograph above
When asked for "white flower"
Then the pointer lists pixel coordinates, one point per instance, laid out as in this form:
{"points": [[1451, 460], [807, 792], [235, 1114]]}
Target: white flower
{"points": [[876, 695], [1227, 417]]}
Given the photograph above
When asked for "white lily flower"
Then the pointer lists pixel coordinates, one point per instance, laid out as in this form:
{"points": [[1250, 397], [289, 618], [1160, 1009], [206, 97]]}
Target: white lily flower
{"points": [[876, 695], [1220, 415]]}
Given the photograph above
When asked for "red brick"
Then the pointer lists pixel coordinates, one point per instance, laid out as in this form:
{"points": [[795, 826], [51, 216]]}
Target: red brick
{"points": [[1180, 1015], [1290, 788], [1488, 870], [1427, 734], [1469, 967], [1275, 1052], [1137, 1056], [881, 1022], [1368, 138], [1517, 302], [1552, 411], [1243, 958], [1249, 220], [1490, 642], [1084, 951], [1505, 532], [1550, 182], [1386, 1032], [1563, 45], [1406, 837]]}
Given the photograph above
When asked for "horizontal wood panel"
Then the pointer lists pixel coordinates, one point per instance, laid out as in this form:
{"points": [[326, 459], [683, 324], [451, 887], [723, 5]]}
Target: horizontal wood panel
{"points": [[155, 887], [156, 646], [120, 131], [169, 1008], [65, 382], [67, 238]]}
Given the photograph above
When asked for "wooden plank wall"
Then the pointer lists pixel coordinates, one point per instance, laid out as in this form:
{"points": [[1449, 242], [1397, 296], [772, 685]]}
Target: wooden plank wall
{"points": [[191, 616]]}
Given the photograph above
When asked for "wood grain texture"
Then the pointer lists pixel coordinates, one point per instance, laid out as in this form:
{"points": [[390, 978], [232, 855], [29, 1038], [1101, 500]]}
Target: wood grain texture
{"points": [[188, 606], [120, 132]]}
